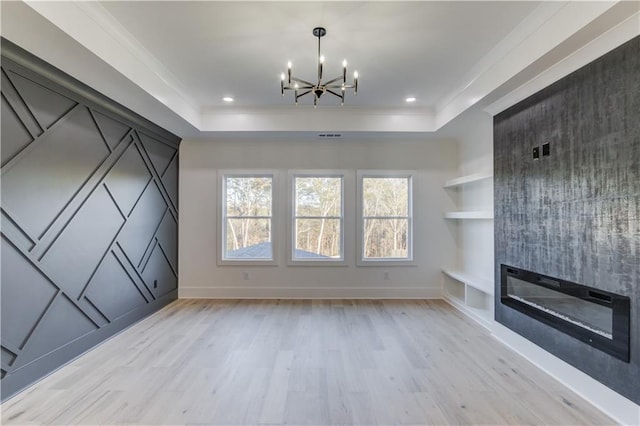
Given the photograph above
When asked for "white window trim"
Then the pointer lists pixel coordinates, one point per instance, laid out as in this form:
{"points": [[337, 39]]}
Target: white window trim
{"points": [[409, 260], [221, 233], [291, 200]]}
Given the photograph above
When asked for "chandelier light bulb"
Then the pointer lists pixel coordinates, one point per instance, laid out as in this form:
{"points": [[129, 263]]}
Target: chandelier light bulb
{"points": [[344, 63], [289, 64], [322, 59], [355, 74], [282, 77], [295, 86]]}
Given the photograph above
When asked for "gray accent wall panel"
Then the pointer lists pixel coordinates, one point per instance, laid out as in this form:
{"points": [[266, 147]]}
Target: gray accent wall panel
{"points": [[140, 229], [127, 179], [89, 218], [575, 214], [14, 134], [45, 170]]}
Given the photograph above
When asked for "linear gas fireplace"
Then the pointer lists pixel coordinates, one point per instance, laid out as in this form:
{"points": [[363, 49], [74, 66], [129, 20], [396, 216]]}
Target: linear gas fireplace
{"points": [[596, 317]]}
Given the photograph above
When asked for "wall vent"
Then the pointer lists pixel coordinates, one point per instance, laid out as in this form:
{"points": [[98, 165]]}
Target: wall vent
{"points": [[329, 135]]}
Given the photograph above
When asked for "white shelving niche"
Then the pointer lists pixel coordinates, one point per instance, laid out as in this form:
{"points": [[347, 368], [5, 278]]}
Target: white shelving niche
{"points": [[468, 181], [464, 284]]}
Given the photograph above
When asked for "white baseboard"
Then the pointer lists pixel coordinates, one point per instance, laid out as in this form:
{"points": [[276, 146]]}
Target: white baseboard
{"points": [[334, 292], [613, 404]]}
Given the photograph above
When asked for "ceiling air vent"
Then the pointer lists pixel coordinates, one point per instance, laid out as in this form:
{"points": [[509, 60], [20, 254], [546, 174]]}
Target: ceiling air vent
{"points": [[329, 135]]}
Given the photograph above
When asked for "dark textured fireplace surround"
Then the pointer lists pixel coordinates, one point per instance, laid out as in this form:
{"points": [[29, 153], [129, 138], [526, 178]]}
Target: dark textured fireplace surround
{"points": [[574, 213]]}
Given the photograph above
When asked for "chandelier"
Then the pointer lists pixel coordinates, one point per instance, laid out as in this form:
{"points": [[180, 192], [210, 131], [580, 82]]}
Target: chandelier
{"points": [[337, 86]]}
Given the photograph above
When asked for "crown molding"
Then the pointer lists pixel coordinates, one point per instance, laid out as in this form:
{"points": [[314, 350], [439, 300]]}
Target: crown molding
{"points": [[606, 42], [547, 27], [535, 46], [96, 29]]}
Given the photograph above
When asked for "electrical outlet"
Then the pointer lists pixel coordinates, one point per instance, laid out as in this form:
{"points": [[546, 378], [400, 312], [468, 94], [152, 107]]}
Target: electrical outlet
{"points": [[245, 275], [536, 152], [546, 149], [386, 275]]}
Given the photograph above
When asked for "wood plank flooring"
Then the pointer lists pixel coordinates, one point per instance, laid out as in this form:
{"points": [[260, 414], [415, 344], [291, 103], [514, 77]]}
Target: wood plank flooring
{"points": [[301, 362]]}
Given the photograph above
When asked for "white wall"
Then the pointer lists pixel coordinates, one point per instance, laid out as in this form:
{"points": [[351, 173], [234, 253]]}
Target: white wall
{"points": [[200, 276]]}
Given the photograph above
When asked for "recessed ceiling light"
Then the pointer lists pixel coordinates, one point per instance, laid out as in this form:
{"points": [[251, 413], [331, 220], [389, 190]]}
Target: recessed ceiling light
{"points": [[410, 99], [227, 99]]}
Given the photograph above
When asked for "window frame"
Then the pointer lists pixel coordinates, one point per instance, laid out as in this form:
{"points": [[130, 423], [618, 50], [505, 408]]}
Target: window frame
{"points": [[411, 175], [222, 217], [291, 204]]}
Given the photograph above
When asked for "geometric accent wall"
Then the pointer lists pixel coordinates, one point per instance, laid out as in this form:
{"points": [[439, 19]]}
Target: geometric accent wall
{"points": [[574, 214], [89, 219]]}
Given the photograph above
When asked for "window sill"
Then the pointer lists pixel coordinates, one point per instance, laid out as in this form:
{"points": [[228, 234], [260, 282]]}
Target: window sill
{"points": [[389, 262], [246, 262], [319, 263]]}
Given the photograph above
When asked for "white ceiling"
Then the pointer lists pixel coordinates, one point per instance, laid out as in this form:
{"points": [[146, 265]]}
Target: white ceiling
{"points": [[214, 49], [173, 61]]}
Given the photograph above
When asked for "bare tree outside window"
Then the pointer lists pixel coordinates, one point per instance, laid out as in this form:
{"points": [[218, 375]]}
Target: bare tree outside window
{"points": [[247, 217], [386, 217], [318, 217]]}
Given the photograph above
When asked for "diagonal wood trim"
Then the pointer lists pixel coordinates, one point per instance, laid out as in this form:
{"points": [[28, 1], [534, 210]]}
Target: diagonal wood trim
{"points": [[38, 140], [19, 107], [74, 205], [132, 272], [75, 89], [157, 178]]}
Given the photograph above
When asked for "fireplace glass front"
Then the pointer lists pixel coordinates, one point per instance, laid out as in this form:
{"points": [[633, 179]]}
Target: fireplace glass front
{"points": [[598, 318]]}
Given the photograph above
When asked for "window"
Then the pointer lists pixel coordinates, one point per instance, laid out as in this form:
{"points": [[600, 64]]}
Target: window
{"points": [[317, 218], [247, 216], [386, 207]]}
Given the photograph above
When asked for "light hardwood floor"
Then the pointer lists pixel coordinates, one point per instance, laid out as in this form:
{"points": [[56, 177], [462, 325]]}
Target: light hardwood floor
{"points": [[301, 362]]}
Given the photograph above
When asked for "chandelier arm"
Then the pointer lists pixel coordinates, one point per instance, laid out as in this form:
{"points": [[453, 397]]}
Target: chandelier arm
{"points": [[304, 93], [305, 82], [298, 88], [334, 93], [339, 86], [333, 81]]}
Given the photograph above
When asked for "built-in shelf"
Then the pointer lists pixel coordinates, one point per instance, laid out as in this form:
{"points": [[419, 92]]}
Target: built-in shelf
{"points": [[478, 214], [482, 313], [470, 294], [485, 286], [463, 180]]}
